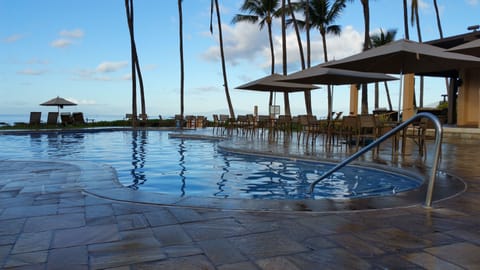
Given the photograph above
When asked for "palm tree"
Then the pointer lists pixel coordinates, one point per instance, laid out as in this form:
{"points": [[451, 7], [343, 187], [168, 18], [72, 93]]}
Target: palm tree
{"points": [[291, 10], [263, 12], [322, 13], [415, 19], [439, 25], [438, 18], [135, 65], [377, 41], [405, 19], [182, 72], [366, 46], [220, 36], [286, 98]]}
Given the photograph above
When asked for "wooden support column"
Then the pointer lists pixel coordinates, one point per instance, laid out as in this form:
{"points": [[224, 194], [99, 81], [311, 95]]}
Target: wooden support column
{"points": [[353, 99], [408, 96]]}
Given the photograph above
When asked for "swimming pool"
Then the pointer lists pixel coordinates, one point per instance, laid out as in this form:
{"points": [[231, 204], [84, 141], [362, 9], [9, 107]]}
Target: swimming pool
{"points": [[149, 160]]}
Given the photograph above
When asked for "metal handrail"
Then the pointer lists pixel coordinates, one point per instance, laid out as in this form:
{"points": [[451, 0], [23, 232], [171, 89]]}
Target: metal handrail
{"points": [[433, 173]]}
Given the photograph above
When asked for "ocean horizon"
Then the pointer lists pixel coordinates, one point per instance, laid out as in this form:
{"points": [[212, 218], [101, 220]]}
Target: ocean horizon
{"points": [[11, 119]]}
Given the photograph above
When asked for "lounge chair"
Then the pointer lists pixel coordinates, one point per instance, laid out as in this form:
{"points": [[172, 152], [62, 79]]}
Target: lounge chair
{"points": [[78, 118], [35, 118], [66, 118], [52, 118]]}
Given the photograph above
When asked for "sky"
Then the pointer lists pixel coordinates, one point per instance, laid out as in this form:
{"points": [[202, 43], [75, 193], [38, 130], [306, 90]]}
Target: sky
{"points": [[80, 50]]}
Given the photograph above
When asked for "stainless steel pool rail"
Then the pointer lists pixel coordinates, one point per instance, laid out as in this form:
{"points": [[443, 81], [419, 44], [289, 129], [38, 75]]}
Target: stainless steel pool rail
{"points": [[400, 127]]}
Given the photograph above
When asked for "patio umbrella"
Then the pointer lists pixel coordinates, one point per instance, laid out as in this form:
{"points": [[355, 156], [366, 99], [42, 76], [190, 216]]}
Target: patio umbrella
{"points": [[334, 76], [274, 83], [406, 56], [470, 48], [321, 75], [59, 102]]}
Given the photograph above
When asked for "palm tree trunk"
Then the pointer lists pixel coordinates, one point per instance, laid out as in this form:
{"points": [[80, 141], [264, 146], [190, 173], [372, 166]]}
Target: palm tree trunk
{"points": [[405, 19], [439, 25], [419, 32], [140, 80], [129, 11], [284, 57], [307, 93], [182, 72], [224, 69], [307, 32], [329, 88], [272, 53], [438, 18], [390, 107], [366, 46]]}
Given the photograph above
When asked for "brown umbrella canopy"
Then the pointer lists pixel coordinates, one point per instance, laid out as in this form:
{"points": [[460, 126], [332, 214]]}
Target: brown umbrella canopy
{"points": [[59, 102], [334, 76], [405, 56], [272, 83], [470, 48]]}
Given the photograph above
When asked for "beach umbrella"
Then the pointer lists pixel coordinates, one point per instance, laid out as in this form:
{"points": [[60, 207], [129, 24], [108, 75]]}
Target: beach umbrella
{"points": [[58, 102], [470, 48], [334, 76], [274, 83]]}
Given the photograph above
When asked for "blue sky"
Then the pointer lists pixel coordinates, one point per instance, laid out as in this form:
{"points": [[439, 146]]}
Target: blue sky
{"points": [[79, 49]]}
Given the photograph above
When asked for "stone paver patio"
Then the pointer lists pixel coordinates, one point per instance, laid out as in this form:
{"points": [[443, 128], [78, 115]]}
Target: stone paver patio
{"points": [[64, 215]]}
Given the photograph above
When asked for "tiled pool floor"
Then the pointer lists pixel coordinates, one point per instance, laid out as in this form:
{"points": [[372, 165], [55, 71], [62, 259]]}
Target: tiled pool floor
{"points": [[60, 215]]}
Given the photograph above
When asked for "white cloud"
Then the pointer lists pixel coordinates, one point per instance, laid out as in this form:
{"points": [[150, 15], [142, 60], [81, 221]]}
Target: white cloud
{"points": [[423, 5], [76, 33], [349, 42], [13, 38], [111, 66], [82, 101], [61, 43], [243, 41], [31, 72]]}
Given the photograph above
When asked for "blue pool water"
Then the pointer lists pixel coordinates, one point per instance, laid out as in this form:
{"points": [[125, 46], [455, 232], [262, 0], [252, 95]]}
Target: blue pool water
{"points": [[151, 161]]}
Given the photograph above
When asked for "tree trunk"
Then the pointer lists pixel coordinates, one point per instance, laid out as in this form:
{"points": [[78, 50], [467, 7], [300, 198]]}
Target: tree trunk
{"points": [[224, 69], [329, 88], [405, 19], [284, 58], [307, 93], [307, 32], [419, 32], [182, 72], [129, 11], [366, 46], [272, 53], [390, 107], [438, 18], [140, 81]]}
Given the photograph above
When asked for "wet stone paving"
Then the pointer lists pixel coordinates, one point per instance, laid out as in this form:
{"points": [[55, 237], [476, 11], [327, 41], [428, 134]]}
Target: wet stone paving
{"points": [[58, 215]]}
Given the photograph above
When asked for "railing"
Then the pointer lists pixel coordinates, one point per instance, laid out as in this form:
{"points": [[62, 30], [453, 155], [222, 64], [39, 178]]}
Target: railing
{"points": [[436, 155]]}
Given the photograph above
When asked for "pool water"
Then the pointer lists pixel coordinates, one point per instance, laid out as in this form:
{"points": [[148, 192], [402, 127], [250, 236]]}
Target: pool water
{"points": [[151, 161]]}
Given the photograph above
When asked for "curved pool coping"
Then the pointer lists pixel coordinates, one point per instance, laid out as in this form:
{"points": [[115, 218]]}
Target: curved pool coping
{"points": [[102, 181]]}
